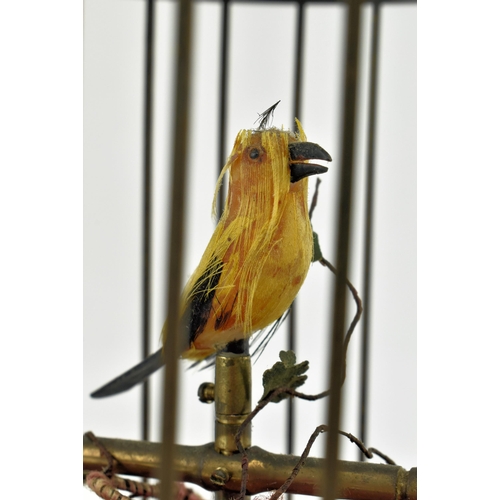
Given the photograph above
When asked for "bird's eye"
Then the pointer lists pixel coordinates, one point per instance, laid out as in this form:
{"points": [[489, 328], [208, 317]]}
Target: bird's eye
{"points": [[254, 153]]}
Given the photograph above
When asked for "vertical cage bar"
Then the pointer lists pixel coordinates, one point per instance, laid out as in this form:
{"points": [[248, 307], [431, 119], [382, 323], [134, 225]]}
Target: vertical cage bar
{"points": [[342, 245], [146, 236], [370, 203], [223, 101], [299, 53], [177, 215], [299, 50]]}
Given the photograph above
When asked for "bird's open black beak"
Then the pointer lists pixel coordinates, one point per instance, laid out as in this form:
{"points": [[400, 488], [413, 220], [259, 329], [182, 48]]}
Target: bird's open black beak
{"points": [[300, 151]]}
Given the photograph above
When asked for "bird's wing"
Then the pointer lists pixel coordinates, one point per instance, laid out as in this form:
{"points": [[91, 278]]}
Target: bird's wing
{"points": [[131, 377]]}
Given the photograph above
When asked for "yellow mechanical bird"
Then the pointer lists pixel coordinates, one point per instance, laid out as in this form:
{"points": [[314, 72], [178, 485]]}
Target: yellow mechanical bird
{"points": [[259, 254]]}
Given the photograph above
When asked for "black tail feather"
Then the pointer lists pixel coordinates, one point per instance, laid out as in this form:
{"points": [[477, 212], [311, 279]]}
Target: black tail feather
{"points": [[132, 377]]}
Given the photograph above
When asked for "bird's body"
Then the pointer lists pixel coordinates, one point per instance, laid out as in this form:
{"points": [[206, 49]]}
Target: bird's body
{"points": [[259, 254], [254, 255]]}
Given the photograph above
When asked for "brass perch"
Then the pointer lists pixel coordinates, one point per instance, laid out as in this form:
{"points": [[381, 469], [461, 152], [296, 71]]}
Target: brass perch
{"points": [[202, 465]]}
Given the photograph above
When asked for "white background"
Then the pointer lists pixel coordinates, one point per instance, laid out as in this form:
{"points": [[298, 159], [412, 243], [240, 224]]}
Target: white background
{"points": [[261, 72], [41, 252]]}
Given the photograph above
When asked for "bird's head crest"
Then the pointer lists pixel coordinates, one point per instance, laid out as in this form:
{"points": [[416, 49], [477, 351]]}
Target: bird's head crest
{"points": [[266, 117]]}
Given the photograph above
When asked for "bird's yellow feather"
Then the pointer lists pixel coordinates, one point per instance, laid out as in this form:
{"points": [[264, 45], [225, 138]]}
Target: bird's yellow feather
{"points": [[263, 242], [259, 254]]}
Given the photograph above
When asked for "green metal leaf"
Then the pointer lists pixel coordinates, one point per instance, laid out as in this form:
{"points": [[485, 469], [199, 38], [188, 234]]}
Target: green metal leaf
{"points": [[284, 373], [317, 255]]}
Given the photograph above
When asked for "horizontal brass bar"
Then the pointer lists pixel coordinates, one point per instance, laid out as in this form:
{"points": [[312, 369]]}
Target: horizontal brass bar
{"points": [[267, 471]]}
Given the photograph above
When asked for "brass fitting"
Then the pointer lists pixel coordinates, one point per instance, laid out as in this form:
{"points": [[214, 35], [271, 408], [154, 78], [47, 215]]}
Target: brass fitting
{"points": [[233, 400], [220, 476], [206, 392]]}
